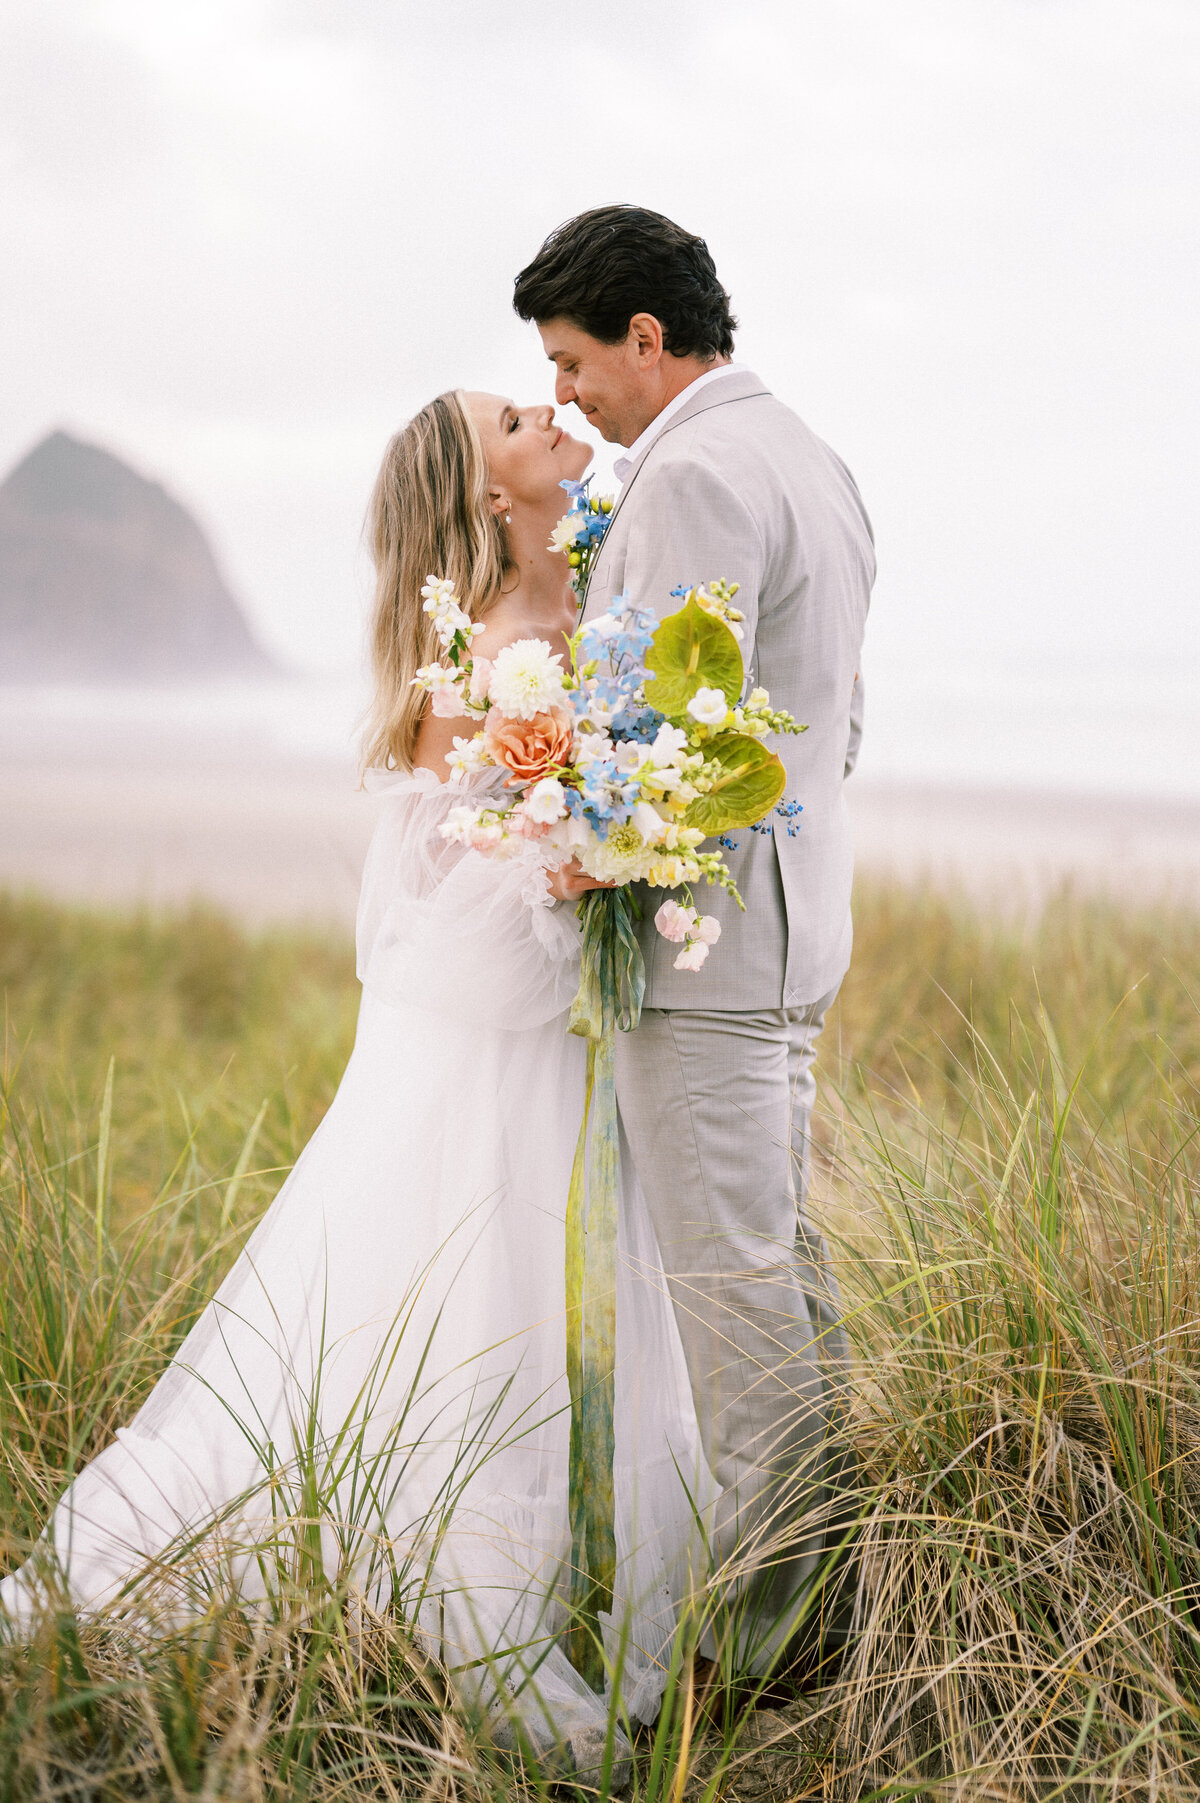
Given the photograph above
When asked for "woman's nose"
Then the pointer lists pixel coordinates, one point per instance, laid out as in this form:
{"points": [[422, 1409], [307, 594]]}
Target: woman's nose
{"points": [[547, 413]]}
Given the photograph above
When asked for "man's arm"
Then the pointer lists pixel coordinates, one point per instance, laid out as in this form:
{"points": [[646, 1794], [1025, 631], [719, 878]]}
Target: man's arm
{"points": [[856, 723], [688, 526]]}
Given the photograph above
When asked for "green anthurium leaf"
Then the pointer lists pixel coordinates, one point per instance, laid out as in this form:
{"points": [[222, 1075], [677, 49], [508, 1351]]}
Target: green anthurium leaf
{"points": [[692, 650], [752, 780]]}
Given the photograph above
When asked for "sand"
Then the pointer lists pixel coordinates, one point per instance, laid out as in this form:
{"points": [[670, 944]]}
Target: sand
{"points": [[285, 840]]}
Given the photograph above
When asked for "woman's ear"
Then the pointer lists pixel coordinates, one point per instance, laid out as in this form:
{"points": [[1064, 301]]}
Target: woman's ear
{"points": [[497, 502]]}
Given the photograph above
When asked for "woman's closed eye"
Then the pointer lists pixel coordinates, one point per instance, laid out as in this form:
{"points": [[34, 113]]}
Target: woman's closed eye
{"points": [[514, 420]]}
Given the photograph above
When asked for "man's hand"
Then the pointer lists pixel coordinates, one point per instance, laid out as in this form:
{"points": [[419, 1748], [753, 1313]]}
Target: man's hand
{"points": [[569, 882]]}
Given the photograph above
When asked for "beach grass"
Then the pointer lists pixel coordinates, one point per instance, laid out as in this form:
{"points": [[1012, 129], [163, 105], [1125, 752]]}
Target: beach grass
{"points": [[1008, 1174]]}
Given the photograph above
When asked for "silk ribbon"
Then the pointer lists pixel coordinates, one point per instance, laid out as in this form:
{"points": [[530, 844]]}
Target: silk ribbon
{"points": [[612, 983]]}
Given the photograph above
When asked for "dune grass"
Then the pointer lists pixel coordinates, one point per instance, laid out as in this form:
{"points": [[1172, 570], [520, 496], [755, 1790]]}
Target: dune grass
{"points": [[1009, 1174]]}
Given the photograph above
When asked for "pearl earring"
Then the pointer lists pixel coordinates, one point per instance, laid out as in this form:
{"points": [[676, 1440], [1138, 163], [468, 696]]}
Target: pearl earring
{"points": [[508, 519]]}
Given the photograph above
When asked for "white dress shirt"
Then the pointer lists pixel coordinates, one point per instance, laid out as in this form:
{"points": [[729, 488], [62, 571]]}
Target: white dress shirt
{"points": [[623, 465]]}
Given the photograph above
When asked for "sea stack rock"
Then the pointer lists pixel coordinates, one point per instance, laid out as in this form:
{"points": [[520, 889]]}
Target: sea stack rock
{"points": [[105, 578]]}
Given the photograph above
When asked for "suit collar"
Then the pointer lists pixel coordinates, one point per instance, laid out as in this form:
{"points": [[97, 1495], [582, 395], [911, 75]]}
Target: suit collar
{"points": [[743, 385]]}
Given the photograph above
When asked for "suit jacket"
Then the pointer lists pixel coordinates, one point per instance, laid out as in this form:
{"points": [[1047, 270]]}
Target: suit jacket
{"points": [[737, 487]]}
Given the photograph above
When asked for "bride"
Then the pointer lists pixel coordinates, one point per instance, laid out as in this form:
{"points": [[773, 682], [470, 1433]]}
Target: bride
{"points": [[387, 1356]]}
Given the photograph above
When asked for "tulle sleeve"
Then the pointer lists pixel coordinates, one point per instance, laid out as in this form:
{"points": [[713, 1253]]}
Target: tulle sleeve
{"points": [[448, 930]]}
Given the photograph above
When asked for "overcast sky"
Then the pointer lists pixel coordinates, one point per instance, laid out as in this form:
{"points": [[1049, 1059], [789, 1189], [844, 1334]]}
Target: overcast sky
{"points": [[241, 241]]}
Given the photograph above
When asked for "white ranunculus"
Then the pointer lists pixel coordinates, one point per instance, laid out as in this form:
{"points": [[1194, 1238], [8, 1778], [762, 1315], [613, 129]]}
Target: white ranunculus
{"points": [[708, 707], [546, 802], [526, 679]]}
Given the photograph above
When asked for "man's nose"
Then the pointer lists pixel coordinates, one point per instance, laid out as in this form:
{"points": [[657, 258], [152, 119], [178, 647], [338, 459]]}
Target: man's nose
{"points": [[564, 390]]}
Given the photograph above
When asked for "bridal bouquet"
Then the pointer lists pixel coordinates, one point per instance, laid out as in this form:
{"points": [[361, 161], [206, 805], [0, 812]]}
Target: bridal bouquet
{"points": [[637, 760], [628, 761]]}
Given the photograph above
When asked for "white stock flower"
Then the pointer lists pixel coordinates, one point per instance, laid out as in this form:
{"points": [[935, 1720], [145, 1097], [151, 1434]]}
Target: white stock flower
{"points": [[589, 746], [467, 757], [670, 744], [708, 707], [649, 822], [436, 676], [437, 600], [546, 801], [631, 757], [458, 823], [607, 626], [759, 698], [526, 680], [437, 591], [563, 535]]}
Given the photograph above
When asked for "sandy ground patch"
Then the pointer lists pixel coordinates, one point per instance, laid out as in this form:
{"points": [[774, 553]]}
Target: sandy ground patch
{"points": [[286, 840]]}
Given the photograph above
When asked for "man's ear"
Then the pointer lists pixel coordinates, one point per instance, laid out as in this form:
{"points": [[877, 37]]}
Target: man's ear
{"points": [[646, 340]]}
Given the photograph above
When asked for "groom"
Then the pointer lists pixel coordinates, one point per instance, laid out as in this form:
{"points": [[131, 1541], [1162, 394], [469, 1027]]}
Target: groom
{"points": [[715, 1088]]}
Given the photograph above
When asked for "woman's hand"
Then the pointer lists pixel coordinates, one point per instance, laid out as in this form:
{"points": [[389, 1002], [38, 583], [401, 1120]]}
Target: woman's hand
{"points": [[569, 882]]}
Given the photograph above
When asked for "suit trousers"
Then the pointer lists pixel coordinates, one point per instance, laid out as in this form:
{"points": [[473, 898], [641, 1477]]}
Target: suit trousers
{"points": [[716, 1106]]}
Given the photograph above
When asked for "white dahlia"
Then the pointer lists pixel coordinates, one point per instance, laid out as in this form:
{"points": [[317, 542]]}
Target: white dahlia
{"points": [[526, 679]]}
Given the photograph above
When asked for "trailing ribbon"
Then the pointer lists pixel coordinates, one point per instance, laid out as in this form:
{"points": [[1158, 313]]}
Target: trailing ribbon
{"points": [[612, 983]]}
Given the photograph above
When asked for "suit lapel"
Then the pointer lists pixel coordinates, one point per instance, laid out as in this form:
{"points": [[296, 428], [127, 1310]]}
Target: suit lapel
{"points": [[742, 385]]}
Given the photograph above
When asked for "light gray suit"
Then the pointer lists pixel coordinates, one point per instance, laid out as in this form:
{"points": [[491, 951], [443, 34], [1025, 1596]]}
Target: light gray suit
{"points": [[716, 1086]]}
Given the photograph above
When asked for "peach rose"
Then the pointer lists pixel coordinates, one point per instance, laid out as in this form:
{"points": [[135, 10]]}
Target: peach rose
{"points": [[528, 747]]}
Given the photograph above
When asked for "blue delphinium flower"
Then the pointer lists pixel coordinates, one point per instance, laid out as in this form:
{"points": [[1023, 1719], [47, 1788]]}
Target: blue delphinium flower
{"points": [[790, 811], [643, 725]]}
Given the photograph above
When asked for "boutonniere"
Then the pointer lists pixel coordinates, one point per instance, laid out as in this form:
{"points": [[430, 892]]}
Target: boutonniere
{"points": [[580, 531]]}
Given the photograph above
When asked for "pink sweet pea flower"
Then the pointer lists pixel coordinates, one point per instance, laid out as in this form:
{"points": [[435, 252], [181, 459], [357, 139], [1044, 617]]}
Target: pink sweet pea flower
{"points": [[446, 701], [481, 675], [674, 922], [692, 956]]}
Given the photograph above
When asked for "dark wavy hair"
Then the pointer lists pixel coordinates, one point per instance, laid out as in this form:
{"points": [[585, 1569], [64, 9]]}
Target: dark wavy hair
{"points": [[601, 268]]}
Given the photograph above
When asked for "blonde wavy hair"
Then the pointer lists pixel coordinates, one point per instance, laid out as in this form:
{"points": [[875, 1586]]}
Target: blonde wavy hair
{"points": [[429, 515]]}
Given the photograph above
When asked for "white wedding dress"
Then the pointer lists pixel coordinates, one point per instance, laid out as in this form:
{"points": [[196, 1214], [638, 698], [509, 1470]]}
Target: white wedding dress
{"points": [[388, 1353]]}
